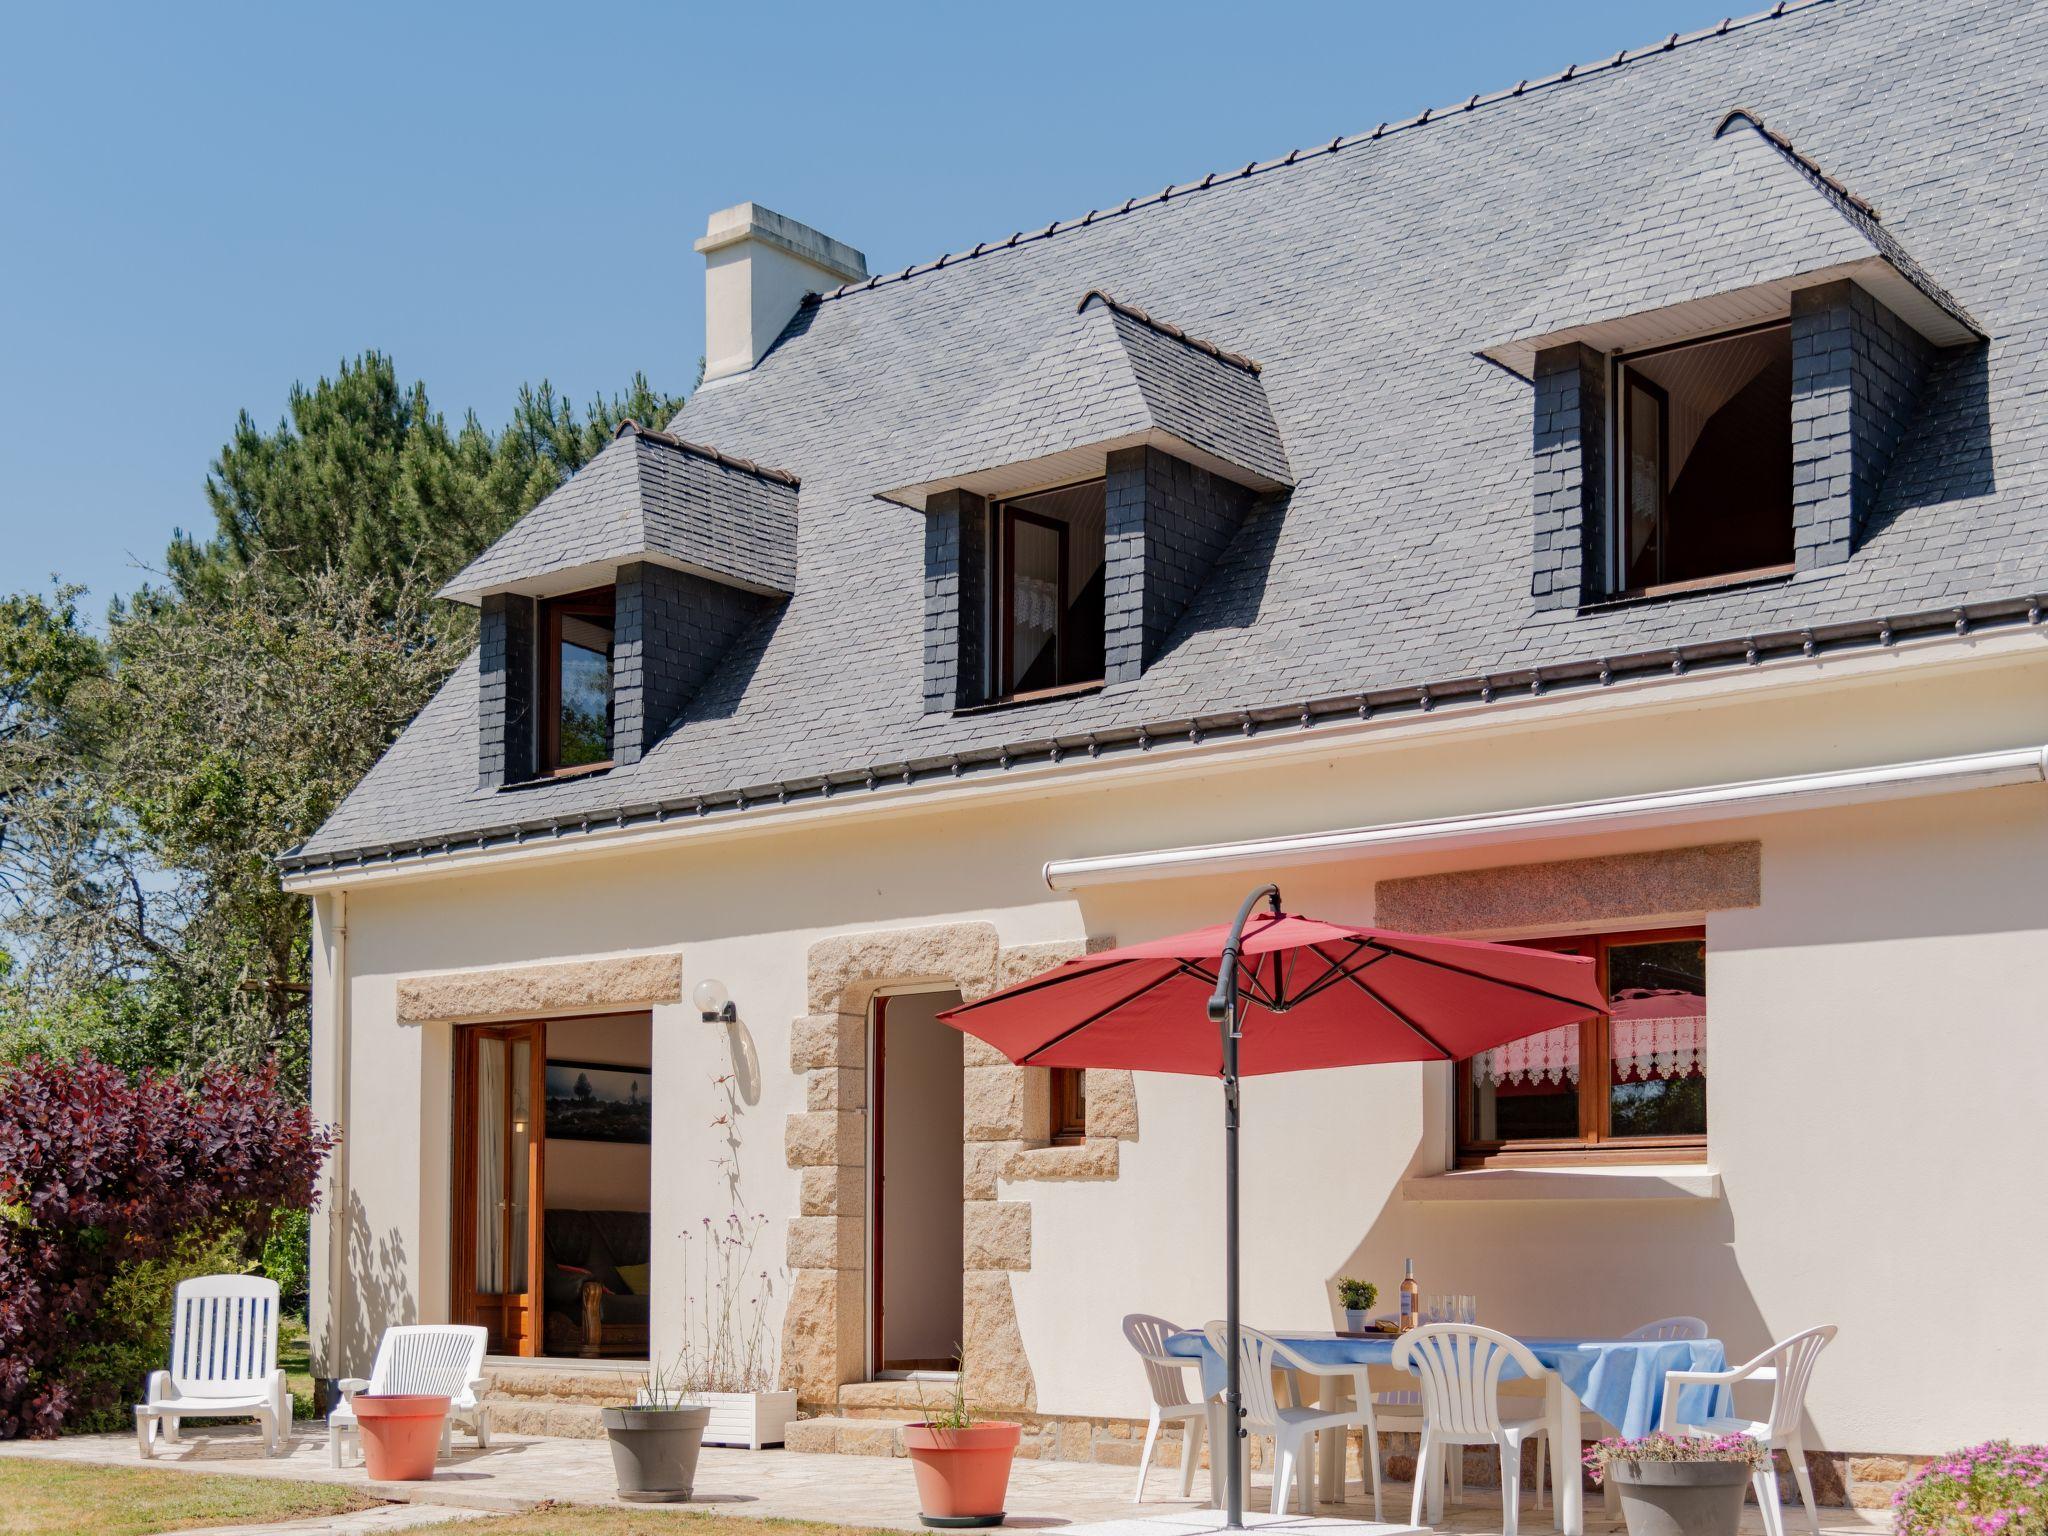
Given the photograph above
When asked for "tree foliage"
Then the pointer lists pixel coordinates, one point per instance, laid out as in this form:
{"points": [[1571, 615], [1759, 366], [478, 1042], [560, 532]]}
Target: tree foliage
{"points": [[364, 479], [101, 1172], [149, 777]]}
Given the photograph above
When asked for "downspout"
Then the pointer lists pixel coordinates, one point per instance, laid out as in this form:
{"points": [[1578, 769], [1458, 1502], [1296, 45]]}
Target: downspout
{"points": [[337, 1167]]}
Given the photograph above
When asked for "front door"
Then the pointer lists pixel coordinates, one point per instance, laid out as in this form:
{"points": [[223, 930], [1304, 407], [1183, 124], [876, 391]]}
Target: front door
{"points": [[915, 1197], [499, 1093]]}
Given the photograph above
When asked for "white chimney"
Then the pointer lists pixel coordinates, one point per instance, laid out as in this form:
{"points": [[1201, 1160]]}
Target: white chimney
{"points": [[758, 266]]}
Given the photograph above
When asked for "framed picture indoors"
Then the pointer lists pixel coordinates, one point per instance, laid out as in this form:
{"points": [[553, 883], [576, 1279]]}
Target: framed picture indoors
{"points": [[599, 1101]]}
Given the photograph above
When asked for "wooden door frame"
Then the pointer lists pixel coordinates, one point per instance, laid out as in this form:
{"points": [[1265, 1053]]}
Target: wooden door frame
{"points": [[463, 1303], [878, 1022]]}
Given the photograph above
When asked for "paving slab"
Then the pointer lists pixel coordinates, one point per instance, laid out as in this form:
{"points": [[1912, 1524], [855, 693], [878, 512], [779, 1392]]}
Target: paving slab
{"points": [[519, 1472]]}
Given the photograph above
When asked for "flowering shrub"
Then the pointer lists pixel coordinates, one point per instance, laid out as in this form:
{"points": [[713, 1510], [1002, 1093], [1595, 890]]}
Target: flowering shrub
{"points": [[1663, 1447], [100, 1174], [1994, 1489]]}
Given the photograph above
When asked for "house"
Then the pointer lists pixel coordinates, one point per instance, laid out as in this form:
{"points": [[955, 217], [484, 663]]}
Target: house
{"points": [[1609, 511]]}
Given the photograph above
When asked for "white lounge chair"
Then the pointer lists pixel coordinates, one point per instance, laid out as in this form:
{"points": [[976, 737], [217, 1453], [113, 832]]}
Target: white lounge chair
{"points": [[1788, 1364], [1166, 1375], [223, 1363], [444, 1359]]}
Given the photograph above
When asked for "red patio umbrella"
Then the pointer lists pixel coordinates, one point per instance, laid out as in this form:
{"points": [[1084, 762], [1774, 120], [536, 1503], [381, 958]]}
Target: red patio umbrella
{"points": [[1278, 993]]}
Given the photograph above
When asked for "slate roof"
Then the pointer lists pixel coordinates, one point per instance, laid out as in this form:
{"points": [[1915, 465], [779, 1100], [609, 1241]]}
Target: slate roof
{"points": [[1108, 375], [1364, 275], [649, 496], [1749, 210]]}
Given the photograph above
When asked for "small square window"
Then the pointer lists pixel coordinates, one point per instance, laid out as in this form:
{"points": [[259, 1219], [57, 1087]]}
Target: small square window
{"points": [[1047, 591], [576, 682], [1703, 462]]}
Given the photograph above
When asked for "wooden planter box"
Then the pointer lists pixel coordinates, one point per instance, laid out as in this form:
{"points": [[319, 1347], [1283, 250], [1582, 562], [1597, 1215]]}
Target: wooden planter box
{"points": [[750, 1420]]}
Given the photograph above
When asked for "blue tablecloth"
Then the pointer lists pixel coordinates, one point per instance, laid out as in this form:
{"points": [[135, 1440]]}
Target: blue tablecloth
{"points": [[1622, 1380]]}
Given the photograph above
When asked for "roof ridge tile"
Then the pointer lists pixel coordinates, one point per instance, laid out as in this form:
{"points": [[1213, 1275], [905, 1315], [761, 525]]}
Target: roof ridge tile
{"points": [[1295, 156], [706, 451], [1167, 329]]}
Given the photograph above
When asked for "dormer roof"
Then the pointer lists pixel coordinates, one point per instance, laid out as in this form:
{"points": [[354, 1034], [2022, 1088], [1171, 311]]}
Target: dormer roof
{"points": [[1722, 245], [1111, 376], [648, 496]]}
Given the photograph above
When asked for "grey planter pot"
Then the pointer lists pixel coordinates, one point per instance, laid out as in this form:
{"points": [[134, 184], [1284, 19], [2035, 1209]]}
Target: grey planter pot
{"points": [[1680, 1498], [654, 1451]]}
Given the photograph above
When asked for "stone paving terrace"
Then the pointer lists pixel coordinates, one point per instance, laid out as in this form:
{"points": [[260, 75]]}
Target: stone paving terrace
{"points": [[518, 1473]]}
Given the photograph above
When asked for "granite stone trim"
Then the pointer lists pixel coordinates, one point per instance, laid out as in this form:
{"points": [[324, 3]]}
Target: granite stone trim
{"points": [[1571, 893], [1005, 1113], [535, 991]]}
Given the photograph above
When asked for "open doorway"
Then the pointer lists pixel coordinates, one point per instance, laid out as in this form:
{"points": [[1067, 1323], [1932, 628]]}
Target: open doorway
{"points": [[915, 1196], [554, 1122]]}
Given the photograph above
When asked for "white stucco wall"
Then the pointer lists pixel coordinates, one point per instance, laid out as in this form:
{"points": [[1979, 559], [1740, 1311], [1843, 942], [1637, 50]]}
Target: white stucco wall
{"points": [[1879, 1040]]}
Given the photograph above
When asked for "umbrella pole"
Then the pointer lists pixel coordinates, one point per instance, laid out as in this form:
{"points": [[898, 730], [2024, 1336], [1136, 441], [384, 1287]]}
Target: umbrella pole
{"points": [[1233, 1396], [1223, 1011]]}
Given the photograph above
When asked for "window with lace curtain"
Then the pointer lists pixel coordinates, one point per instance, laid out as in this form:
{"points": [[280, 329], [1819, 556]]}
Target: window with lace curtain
{"points": [[1628, 1086], [1048, 592]]}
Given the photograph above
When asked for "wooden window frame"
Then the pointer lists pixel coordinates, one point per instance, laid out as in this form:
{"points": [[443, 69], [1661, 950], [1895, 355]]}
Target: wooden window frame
{"points": [[1621, 376], [594, 602], [1069, 1106], [1595, 1144]]}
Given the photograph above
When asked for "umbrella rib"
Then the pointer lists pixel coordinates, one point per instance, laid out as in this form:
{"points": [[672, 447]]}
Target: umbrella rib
{"points": [[1497, 981], [1052, 978], [1102, 1013], [1340, 970], [1401, 1018]]}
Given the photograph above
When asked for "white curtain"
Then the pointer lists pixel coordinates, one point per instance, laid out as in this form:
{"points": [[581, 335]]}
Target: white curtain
{"points": [[490, 1167]]}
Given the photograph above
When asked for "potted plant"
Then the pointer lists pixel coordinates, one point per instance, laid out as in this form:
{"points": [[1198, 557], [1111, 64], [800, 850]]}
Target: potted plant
{"points": [[1358, 1297], [1679, 1485], [655, 1441], [1997, 1487], [962, 1464], [727, 1360]]}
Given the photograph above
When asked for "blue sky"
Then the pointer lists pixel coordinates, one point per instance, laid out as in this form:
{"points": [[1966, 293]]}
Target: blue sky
{"points": [[201, 204]]}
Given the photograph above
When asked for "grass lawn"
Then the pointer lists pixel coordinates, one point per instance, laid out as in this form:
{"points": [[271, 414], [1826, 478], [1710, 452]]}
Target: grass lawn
{"points": [[570, 1520], [294, 1360], [58, 1498]]}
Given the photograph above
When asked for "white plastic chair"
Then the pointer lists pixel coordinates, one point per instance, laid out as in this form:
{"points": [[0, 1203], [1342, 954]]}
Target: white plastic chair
{"points": [[1670, 1328], [1460, 1366], [223, 1363], [1293, 1428], [1789, 1365], [444, 1359], [1166, 1375]]}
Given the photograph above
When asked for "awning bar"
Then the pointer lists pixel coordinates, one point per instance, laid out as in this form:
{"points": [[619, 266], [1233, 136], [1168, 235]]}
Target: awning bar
{"points": [[1714, 802]]}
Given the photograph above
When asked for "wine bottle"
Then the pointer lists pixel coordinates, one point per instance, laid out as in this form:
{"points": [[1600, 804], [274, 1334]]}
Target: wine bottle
{"points": [[1411, 1299]]}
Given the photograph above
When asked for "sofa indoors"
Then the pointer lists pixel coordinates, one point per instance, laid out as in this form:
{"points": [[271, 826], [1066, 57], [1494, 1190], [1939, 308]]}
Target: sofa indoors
{"points": [[591, 1308]]}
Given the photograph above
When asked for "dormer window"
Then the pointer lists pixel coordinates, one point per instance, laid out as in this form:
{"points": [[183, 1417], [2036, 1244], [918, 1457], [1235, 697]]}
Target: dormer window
{"points": [[1048, 583], [576, 682], [1703, 462]]}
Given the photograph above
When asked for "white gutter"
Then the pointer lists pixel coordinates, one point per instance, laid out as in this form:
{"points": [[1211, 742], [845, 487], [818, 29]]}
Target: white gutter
{"points": [[1715, 802], [338, 1197]]}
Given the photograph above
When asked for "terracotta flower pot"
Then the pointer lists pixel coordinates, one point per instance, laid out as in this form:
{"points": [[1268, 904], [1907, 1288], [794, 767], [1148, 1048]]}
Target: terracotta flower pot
{"points": [[401, 1435], [1680, 1498], [962, 1474]]}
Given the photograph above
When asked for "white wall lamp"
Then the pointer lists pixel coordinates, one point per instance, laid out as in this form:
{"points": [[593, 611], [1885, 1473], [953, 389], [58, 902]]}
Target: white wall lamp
{"points": [[710, 997]]}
